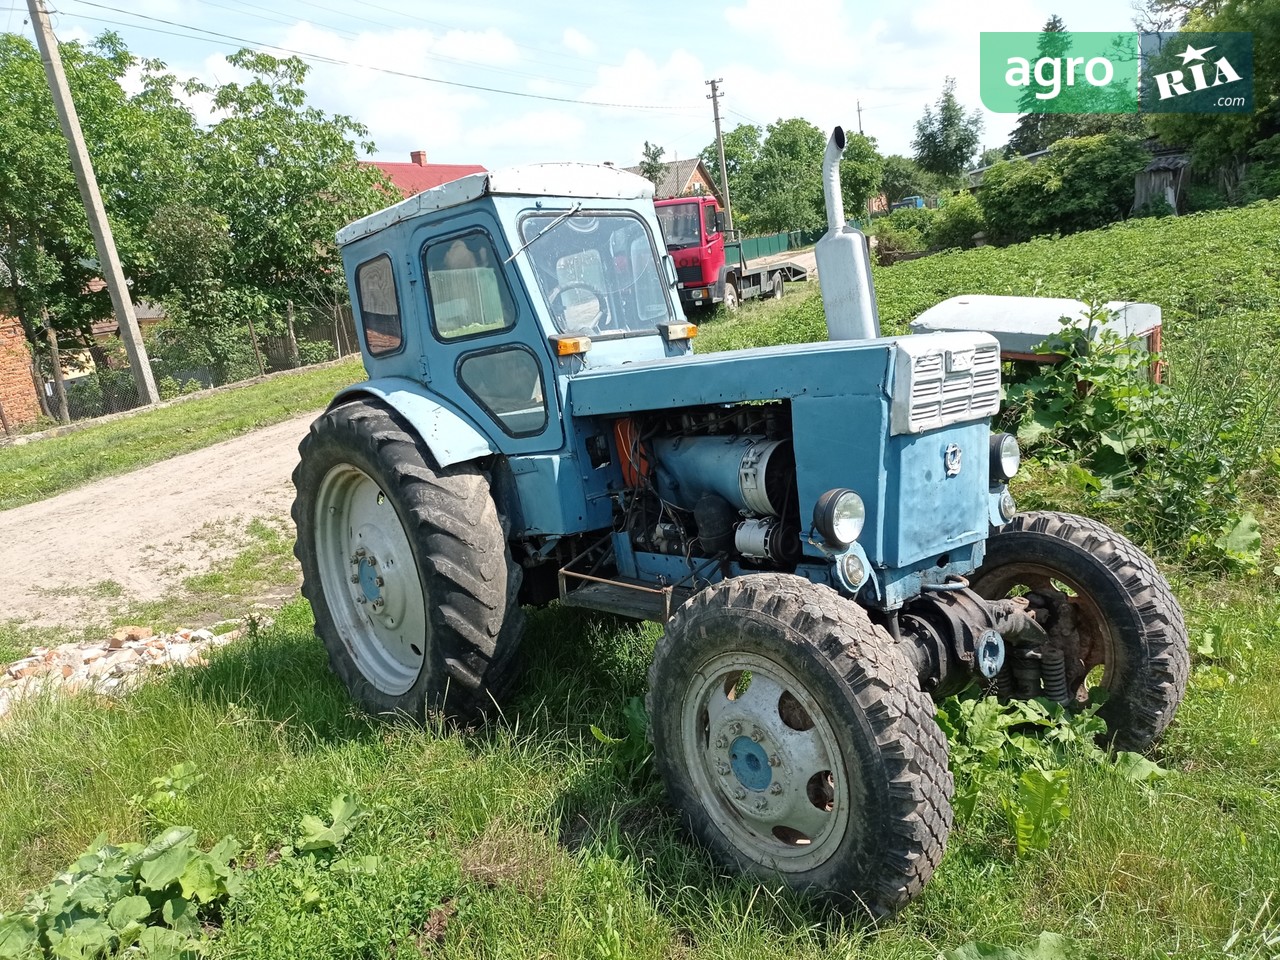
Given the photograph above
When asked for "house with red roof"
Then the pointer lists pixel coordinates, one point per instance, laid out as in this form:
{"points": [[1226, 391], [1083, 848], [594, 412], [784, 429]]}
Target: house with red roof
{"points": [[418, 175]]}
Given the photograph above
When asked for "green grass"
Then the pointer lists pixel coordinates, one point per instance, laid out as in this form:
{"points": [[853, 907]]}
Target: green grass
{"points": [[1208, 265], [522, 838], [37, 470]]}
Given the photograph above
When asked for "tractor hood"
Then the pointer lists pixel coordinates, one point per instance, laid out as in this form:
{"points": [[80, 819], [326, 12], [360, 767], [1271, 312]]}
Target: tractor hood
{"points": [[827, 369]]}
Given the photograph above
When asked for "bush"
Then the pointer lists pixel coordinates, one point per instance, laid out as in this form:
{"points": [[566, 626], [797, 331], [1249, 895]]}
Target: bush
{"points": [[958, 219], [316, 351], [909, 230], [168, 388], [1082, 184]]}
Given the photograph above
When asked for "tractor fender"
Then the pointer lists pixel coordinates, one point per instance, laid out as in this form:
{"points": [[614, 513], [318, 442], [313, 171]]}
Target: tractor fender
{"points": [[449, 435]]}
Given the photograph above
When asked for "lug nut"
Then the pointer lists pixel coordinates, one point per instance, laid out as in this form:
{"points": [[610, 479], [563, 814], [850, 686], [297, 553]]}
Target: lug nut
{"points": [[361, 599], [355, 578], [739, 794], [721, 743], [735, 728], [722, 768], [361, 552], [379, 604], [378, 581], [775, 761], [371, 560], [762, 804], [757, 734], [776, 789]]}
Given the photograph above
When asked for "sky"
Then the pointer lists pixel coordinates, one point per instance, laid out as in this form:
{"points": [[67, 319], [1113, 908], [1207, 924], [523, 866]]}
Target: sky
{"points": [[596, 80]]}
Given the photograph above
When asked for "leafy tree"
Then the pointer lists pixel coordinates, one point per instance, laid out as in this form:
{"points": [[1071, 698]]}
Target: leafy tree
{"points": [[1083, 183], [741, 151], [946, 135], [1226, 142], [651, 166], [991, 155], [141, 146], [787, 178], [861, 170], [959, 218], [902, 177]]}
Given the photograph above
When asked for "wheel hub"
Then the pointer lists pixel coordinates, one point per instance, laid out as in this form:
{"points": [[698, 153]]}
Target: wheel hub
{"points": [[749, 762]]}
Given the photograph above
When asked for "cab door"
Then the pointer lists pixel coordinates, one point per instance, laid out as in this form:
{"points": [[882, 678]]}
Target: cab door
{"points": [[483, 348]]}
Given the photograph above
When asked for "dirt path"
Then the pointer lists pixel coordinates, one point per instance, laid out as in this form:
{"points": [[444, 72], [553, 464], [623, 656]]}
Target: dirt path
{"points": [[133, 537]]}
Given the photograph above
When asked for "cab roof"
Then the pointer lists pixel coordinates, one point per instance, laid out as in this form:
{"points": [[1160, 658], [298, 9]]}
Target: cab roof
{"points": [[576, 180]]}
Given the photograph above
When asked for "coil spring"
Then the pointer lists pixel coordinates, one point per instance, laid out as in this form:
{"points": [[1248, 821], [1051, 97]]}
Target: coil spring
{"points": [[1053, 667], [1026, 672]]}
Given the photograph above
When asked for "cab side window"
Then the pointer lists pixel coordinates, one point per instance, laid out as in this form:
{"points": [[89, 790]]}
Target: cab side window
{"points": [[467, 292], [708, 220], [379, 306]]}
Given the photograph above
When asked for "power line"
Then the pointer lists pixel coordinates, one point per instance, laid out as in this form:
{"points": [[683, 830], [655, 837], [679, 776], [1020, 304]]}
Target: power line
{"points": [[322, 58]]}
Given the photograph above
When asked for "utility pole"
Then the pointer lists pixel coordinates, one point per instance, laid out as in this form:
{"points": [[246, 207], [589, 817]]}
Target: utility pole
{"points": [[88, 184], [714, 96], [859, 118]]}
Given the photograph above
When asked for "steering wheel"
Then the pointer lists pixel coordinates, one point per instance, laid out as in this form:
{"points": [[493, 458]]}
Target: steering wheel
{"points": [[602, 305]]}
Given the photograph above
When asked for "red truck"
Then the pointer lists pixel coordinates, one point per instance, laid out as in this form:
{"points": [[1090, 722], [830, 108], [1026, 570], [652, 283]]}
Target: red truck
{"points": [[711, 270]]}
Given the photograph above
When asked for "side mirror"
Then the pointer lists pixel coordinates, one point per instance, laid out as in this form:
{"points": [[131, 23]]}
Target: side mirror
{"points": [[719, 221], [670, 265]]}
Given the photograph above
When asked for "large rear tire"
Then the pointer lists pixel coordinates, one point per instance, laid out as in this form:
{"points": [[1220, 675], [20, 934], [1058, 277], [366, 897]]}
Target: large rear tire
{"points": [[1132, 639], [406, 567], [730, 297], [795, 741]]}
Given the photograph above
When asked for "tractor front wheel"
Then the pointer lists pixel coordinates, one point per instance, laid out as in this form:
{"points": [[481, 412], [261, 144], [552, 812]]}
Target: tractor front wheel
{"points": [[1105, 602], [795, 741], [406, 567]]}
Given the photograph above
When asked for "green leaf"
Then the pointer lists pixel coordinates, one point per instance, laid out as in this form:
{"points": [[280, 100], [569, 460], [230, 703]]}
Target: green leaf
{"points": [[365, 866], [1039, 807], [86, 938], [180, 915], [604, 737], [345, 811], [1050, 946], [161, 943], [17, 937], [1136, 767], [1244, 540], [164, 869], [200, 880], [129, 910]]}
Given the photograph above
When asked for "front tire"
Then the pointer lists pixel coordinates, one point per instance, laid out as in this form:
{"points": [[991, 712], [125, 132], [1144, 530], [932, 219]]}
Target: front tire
{"points": [[730, 297], [1129, 625], [406, 567], [795, 741]]}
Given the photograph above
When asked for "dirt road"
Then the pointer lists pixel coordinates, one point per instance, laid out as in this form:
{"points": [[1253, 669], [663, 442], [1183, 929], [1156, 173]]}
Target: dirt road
{"points": [[63, 561]]}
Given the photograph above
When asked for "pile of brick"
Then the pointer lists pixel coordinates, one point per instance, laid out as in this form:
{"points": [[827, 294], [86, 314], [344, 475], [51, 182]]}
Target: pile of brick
{"points": [[106, 666]]}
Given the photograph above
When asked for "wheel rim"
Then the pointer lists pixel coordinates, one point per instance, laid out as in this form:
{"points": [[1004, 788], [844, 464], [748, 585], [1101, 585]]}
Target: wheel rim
{"points": [[370, 579], [731, 297], [765, 762], [1097, 641]]}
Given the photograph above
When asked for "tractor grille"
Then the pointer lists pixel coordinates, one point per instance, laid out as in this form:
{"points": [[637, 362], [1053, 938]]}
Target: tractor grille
{"points": [[944, 379]]}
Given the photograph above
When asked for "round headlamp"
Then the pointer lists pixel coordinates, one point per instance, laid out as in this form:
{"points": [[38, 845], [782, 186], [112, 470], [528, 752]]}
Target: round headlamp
{"points": [[839, 515], [1006, 457]]}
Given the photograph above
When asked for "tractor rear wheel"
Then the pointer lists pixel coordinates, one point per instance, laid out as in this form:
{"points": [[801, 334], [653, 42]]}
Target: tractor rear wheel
{"points": [[795, 741], [406, 566], [1111, 606]]}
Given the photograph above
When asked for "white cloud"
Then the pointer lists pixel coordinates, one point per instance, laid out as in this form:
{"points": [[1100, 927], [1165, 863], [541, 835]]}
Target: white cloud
{"points": [[578, 42]]}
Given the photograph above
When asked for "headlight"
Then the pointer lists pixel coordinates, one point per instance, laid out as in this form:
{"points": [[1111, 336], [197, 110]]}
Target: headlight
{"points": [[1005, 456], [839, 515]]}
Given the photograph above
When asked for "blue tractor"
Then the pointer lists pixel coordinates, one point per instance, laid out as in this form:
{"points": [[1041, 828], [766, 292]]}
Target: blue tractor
{"points": [[825, 530]]}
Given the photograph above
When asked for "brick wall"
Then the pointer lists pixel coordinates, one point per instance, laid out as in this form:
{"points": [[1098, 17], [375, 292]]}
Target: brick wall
{"points": [[17, 393]]}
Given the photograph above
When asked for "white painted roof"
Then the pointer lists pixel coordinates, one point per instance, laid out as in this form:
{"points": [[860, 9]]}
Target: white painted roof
{"points": [[578, 180]]}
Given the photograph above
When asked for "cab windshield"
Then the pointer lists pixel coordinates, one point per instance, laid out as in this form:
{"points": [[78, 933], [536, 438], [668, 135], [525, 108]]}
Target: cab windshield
{"points": [[681, 223], [600, 273]]}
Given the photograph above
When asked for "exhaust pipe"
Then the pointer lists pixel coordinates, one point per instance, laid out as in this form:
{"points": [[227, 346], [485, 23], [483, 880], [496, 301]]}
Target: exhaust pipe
{"points": [[844, 265]]}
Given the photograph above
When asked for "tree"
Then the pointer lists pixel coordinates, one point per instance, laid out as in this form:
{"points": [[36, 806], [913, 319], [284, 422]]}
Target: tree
{"points": [[141, 145], [741, 151], [902, 177], [946, 135], [1079, 111], [1225, 142], [651, 166], [787, 178], [861, 169]]}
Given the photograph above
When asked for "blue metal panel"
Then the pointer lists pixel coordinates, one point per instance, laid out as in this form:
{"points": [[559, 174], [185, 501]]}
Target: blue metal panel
{"points": [[932, 512], [448, 433], [553, 497], [809, 369]]}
